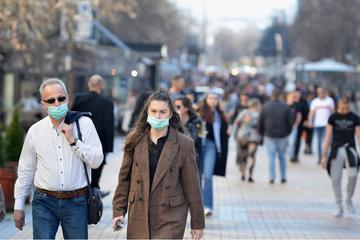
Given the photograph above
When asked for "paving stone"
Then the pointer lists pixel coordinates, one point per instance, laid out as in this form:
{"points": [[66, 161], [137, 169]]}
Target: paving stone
{"points": [[300, 209]]}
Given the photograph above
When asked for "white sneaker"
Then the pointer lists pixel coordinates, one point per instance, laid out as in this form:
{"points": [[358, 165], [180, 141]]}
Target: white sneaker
{"points": [[350, 207], [338, 213], [207, 212]]}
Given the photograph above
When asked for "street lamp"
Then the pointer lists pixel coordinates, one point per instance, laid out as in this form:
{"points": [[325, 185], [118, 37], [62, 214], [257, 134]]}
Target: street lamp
{"points": [[279, 52]]}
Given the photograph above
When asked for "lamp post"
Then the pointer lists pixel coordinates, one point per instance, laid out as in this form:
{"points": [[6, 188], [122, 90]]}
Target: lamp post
{"points": [[279, 53]]}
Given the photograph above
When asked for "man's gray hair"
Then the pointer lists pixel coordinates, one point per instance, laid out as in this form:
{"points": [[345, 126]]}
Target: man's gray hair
{"points": [[51, 81]]}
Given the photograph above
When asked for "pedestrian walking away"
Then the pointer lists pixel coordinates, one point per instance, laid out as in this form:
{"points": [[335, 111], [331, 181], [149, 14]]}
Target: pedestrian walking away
{"points": [[102, 114], [159, 176], [52, 159], [341, 129], [215, 146], [275, 124]]}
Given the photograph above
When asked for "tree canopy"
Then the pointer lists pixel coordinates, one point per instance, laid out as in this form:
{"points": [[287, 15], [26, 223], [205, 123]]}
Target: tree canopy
{"points": [[327, 29]]}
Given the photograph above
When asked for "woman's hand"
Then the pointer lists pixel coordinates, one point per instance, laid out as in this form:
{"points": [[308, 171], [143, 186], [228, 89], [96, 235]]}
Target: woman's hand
{"points": [[117, 223], [196, 234]]}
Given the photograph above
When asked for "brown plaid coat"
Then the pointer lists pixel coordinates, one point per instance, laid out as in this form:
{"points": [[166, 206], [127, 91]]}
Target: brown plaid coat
{"points": [[160, 212]]}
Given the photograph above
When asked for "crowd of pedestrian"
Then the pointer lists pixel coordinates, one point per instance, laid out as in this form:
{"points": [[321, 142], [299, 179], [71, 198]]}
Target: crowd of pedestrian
{"points": [[179, 123], [257, 113]]}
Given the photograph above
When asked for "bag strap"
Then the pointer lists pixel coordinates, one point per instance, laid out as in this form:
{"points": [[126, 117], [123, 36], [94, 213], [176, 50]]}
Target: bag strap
{"points": [[91, 195]]}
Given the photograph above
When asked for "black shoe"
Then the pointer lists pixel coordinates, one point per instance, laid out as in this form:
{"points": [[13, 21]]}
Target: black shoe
{"points": [[250, 180], [271, 181], [104, 193], [294, 160], [243, 178], [283, 180]]}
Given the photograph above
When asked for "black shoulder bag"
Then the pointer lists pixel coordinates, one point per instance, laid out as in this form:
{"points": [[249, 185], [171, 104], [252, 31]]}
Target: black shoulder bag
{"points": [[95, 205]]}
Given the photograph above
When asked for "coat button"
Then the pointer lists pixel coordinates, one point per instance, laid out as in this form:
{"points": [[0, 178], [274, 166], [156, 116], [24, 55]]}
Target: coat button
{"points": [[167, 187], [163, 205], [140, 199], [138, 181], [136, 164], [170, 169]]}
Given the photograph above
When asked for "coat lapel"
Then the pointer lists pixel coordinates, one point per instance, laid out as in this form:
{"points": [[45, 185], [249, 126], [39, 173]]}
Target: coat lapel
{"points": [[142, 156], [167, 155]]}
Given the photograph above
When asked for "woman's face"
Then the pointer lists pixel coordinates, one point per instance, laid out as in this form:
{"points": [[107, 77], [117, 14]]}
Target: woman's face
{"points": [[180, 107], [212, 100], [159, 109]]}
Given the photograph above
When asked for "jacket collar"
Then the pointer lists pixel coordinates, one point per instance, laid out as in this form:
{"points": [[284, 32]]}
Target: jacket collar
{"points": [[72, 116]]}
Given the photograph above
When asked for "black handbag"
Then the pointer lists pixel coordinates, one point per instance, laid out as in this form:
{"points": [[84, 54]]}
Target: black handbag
{"points": [[95, 205]]}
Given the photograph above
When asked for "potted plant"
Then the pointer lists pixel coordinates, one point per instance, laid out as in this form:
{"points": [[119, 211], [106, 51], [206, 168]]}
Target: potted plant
{"points": [[12, 139], [2, 152]]}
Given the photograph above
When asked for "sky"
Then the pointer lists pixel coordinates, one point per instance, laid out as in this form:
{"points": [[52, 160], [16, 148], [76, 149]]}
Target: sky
{"points": [[238, 13]]}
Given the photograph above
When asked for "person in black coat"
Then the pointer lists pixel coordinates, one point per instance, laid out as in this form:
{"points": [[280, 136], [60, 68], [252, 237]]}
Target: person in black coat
{"points": [[102, 110], [192, 125]]}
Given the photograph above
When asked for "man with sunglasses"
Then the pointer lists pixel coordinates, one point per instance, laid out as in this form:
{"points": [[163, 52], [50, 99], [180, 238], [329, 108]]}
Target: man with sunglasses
{"points": [[52, 159], [102, 114]]}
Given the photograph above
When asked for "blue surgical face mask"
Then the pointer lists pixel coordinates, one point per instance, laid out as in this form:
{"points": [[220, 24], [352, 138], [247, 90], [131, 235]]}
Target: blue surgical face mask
{"points": [[158, 123], [57, 112]]}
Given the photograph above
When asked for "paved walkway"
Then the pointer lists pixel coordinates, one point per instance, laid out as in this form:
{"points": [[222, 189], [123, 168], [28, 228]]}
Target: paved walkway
{"points": [[300, 209]]}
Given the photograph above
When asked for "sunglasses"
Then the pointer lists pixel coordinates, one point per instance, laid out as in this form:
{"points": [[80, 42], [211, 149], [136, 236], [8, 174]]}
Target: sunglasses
{"points": [[52, 100]]}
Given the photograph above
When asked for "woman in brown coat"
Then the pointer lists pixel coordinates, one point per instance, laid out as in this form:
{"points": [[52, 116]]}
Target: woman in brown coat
{"points": [[158, 180]]}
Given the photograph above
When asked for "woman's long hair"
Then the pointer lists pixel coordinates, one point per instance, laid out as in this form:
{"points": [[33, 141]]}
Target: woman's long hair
{"points": [[205, 111], [142, 128]]}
